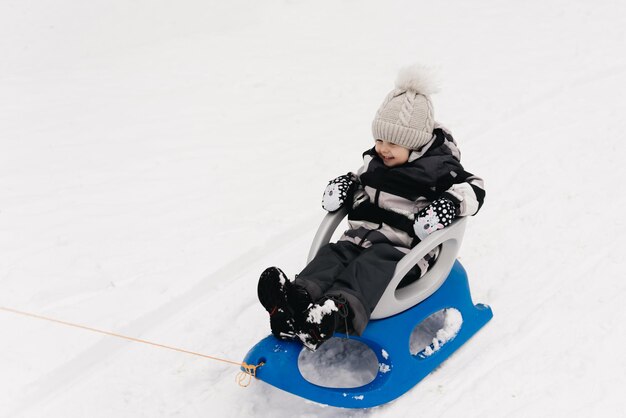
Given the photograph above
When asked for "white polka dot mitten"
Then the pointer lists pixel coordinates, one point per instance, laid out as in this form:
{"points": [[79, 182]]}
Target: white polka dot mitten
{"points": [[433, 217], [338, 191]]}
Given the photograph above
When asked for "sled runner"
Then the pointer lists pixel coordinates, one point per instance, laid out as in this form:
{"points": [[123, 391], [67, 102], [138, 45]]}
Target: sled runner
{"points": [[388, 333]]}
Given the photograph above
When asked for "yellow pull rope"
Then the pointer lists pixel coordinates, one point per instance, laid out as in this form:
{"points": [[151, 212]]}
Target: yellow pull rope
{"points": [[243, 378]]}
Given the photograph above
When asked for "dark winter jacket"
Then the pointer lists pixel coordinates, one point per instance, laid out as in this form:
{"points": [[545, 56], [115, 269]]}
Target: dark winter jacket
{"points": [[388, 198]]}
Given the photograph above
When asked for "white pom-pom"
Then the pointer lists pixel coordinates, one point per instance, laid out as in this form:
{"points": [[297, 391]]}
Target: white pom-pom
{"points": [[418, 78]]}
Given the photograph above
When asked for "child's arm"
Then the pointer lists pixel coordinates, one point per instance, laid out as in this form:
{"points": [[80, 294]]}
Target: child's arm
{"points": [[462, 199], [434, 217], [468, 191], [468, 195]]}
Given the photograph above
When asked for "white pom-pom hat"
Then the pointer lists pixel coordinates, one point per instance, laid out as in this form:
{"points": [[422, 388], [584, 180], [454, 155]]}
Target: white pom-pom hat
{"points": [[406, 116]]}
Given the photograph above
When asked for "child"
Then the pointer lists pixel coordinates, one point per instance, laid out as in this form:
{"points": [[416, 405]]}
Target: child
{"points": [[411, 184]]}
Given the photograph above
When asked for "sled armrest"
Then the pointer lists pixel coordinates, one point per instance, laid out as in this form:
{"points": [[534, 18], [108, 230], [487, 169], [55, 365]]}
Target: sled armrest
{"points": [[325, 231], [394, 300]]}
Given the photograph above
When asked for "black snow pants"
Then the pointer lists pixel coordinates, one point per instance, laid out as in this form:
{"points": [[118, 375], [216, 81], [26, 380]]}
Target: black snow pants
{"points": [[360, 275]]}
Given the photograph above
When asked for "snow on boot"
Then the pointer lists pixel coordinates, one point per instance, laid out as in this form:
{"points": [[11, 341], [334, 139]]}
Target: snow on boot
{"points": [[319, 324]]}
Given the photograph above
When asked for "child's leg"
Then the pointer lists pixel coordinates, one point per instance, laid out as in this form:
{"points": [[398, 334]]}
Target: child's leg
{"points": [[322, 272], [352, 286], [363, 282], [286, 302]]}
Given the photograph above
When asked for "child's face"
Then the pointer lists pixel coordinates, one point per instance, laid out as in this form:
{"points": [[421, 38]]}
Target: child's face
{"points": [[392, 155]]}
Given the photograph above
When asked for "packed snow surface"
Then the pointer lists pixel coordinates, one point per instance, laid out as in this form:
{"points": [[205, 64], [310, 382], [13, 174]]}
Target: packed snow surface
{"points": [[156, 157]]}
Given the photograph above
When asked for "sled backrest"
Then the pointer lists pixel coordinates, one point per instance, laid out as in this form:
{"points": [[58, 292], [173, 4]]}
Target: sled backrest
{"points": [[394, 300]]}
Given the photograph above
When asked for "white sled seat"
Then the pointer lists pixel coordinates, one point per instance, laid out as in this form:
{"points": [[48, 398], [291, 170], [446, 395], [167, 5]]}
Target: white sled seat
{"points": [[396, 300]]}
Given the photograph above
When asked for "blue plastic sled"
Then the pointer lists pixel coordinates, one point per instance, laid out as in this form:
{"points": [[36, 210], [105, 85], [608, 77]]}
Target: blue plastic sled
{"points": [[388, 333]]}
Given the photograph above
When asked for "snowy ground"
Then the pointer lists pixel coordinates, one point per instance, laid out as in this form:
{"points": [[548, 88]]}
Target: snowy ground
{"points": [[156, 156]]}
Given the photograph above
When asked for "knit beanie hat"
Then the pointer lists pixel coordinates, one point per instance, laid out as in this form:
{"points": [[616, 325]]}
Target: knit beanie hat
{"points": [[406, 116]]}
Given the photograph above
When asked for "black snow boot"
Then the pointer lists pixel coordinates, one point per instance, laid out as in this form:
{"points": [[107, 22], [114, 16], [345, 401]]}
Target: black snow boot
{"points": [[284, 301], [320, 321]]}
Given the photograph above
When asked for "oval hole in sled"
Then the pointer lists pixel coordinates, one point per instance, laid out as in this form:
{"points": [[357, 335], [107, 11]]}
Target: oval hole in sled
{"points": [[339, 363], [435, 331]]}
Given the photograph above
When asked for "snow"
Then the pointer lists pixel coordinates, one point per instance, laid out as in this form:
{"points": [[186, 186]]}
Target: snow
{"points": [[282, 279], [384, 368], [345, 363], [156, 157], [452, 321], [317, 312]]}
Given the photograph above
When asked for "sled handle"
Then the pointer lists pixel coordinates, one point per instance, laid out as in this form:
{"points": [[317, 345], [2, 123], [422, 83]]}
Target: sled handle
{"points": [[393, 300]]}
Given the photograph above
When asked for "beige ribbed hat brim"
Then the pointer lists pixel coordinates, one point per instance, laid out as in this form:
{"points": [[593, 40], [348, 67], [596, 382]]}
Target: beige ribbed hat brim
{"points": [[401, 135]]}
